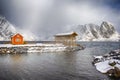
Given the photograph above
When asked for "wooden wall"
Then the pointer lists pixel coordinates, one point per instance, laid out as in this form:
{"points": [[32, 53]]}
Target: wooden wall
{"points": [[66, 40]]}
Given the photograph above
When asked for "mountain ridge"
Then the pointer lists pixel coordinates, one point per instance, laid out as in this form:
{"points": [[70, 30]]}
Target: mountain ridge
{"points": [[92, 32], [7, 30], [88, 32]]}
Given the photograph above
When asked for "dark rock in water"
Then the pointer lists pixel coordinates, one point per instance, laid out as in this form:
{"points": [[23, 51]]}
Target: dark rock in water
{"points": [[97, 59], [75, 48], [112, 63], [13, 50], [114, 53], [80, 47]]}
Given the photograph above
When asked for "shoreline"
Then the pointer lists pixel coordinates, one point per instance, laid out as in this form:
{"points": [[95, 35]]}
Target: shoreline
{"points": [[38, 47], [109, 63]]}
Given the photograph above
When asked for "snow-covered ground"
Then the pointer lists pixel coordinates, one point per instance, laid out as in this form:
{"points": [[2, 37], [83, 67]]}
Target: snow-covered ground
{"points": [[39, 47], [32, 45], [108, 63], [47, 49], [104, 66]]}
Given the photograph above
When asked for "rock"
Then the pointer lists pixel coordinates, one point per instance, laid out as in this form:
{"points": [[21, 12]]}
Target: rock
{"points": [[114, 72], [108, 63], [112, 63], [13, 50]]}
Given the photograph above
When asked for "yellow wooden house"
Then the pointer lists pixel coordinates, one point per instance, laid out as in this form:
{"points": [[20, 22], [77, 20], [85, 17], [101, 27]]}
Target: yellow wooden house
{"points": [[68, 39]]}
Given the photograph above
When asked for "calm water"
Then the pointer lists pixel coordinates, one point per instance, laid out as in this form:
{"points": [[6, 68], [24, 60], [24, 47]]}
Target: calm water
{"points": [[56, 66]]}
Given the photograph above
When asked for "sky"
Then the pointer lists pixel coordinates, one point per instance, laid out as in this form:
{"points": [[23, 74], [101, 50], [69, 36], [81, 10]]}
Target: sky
{"points": [[48, 17]]}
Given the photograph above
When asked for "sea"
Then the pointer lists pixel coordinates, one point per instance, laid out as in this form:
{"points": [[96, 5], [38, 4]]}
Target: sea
{"points": [[56, 66]]}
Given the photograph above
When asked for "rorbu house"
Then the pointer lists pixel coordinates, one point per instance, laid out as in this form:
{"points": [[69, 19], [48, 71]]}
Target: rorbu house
{"points": [[68, 39], [17, 39]]}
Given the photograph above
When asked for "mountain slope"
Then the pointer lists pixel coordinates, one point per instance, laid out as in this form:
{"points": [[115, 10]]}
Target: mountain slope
{"points": [[7, 30], [106, 30], [93, 32]]}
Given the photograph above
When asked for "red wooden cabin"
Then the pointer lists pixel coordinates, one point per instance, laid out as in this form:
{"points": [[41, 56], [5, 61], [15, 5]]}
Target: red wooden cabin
{"points": [[17, 39]]}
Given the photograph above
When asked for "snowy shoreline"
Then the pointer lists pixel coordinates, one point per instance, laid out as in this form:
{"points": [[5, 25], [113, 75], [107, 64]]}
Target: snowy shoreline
{"points": [[38, 47], [109, 63]]}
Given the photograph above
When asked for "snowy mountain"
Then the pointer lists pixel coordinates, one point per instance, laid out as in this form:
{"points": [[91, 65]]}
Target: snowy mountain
{"points": [[93, 32], [88, 32], [7, 30]]}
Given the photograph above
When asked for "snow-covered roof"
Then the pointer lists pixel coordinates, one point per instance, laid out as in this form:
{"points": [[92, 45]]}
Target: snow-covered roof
{"points": [[66, 34], [17, 34]]}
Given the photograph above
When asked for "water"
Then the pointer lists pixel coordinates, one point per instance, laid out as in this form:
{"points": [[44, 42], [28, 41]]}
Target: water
{"points": [[56, 66]]}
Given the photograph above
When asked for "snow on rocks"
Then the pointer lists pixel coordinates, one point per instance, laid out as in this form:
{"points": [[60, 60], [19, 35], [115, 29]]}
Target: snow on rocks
{"points": [[104, 66], [108, 64]]}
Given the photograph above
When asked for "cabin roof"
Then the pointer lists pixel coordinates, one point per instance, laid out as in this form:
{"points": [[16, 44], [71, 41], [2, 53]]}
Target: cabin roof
{"points": [[17, 34], [67, 34]]}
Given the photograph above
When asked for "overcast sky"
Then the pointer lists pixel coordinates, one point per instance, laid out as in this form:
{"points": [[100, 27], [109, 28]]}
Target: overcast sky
{"points": [[48, 17]]}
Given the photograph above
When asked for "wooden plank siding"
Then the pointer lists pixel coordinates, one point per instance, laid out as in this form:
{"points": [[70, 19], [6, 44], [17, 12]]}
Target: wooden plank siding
{"points": [[68, 40]]}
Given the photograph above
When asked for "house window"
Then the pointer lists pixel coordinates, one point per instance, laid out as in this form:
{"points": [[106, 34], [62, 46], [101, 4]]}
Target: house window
{"points": [[17, 40]]}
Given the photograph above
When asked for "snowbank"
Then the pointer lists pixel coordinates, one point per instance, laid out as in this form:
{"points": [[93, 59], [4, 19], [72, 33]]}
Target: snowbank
{"points": [[31, 45], [104, 66], [109, 63], [38, 47], [47, 49]]}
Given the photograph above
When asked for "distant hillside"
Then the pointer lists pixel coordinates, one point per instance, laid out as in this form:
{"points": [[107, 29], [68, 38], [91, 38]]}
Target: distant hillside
{"points": [[7, 30], [92, 32]]}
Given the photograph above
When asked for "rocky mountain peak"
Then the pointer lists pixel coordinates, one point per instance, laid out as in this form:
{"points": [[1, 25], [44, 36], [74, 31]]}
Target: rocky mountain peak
{"points": [[6, 29], [92, 32], [107, 29]]}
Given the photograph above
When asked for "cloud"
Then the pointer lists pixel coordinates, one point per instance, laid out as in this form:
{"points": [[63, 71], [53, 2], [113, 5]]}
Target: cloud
{"points": [[48, 17], [29, 12], [86, 12]]}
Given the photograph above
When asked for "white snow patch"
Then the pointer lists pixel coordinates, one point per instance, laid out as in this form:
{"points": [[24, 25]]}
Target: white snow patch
{"points": [[69, 33], [47, 49], [99, 57], [104, 66]]}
